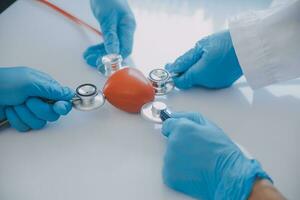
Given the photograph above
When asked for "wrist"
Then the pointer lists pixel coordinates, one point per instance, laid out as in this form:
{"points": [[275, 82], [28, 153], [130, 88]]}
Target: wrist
{"points": [[239, 178], [264, 189], [236, 60]]}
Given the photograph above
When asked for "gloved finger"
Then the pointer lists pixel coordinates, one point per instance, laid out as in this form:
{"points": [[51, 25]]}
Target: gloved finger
{"points": [[92, 60], [93, 49], [178, 125], [192, 75], [100, 65], [109, 30], [62, 107], [95, 59], [2, 113], [186, 61], [184, 81], [29, 118], [41, 109], [168, 126], [46, 87], [50, 90], [127, 27], [93, 53], [99, 61], [15, 121], [193, 116], [43, 78]]}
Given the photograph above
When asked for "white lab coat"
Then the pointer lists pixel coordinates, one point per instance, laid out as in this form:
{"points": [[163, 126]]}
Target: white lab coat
{"points": [[267, 43]]}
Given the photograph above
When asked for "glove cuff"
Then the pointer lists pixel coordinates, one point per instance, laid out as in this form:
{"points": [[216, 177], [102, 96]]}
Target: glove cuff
{"points": [[237, 184]]}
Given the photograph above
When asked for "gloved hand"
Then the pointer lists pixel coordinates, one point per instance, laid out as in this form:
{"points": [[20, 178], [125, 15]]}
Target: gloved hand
{"points": [[2, 114], [21, 90], [212, 63], [202, 161], [118, 26]]}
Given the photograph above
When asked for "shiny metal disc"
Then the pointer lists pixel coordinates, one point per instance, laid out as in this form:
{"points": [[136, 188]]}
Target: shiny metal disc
{"points": [[88, 98], [159, 75], [86, 90], [97, 102], [151, 111], [161, 81], [168, 87], [111, 63]]}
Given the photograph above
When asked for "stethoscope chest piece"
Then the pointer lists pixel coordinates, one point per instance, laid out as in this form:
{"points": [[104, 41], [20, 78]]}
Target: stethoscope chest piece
{"points": [[88, 98], [111, 63], [156, 112], [162, 81]]}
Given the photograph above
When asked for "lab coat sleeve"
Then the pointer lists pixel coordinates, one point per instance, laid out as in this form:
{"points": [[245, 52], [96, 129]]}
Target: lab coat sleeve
{"points": [[267, 44]]}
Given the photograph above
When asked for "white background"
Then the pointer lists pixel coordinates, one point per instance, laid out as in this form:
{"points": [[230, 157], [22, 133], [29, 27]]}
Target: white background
{"points": [[109, 154]]}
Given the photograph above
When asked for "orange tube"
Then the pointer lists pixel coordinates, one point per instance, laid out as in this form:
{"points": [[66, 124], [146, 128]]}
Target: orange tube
{"points": [[70, 16]]}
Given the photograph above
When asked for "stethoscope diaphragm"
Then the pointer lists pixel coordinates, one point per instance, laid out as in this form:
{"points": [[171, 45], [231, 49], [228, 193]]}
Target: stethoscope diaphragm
{"points": [[161, 81], [110, 64], [156, 112], [88, 98]]}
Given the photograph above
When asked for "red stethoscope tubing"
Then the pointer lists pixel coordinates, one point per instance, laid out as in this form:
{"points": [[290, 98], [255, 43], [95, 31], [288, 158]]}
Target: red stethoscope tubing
{"points": [[70, 16]]}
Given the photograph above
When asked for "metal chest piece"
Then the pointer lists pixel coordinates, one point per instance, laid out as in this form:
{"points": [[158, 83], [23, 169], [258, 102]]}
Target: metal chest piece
{"points": [[162, 81], [88, 98], [156, 112], [111, 63]]}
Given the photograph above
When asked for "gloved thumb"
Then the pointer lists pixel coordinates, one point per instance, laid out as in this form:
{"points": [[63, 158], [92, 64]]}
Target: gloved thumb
{"points": [[168, 126], [62, 107], [192, 76], [184, 81], [186, 61], [193, 116]]}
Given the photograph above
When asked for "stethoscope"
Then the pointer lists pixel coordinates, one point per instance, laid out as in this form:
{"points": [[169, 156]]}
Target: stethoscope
{"points": [[156, 112], [162, 81], [89, 98]]}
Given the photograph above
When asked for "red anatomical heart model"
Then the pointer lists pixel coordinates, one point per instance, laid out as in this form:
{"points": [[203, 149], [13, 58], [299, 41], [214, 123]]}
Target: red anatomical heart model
{"points": [[128, 89]]}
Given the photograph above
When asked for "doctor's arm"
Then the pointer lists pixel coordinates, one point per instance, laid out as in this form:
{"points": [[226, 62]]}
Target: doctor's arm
{"points": [[267, 43], [203, 162]]}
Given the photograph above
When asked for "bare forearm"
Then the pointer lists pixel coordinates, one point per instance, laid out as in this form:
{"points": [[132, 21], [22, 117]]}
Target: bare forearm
{"points": [[264, 190]]}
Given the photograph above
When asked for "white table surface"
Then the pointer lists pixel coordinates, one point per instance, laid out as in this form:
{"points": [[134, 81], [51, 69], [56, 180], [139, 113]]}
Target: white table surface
{"points": [[109, 154]]}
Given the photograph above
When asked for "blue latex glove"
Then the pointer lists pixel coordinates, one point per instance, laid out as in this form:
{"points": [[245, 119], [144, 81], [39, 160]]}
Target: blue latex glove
{"points": [[20, 91], [118, 26], [212, 63], [2, 114], [202, 161]]}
